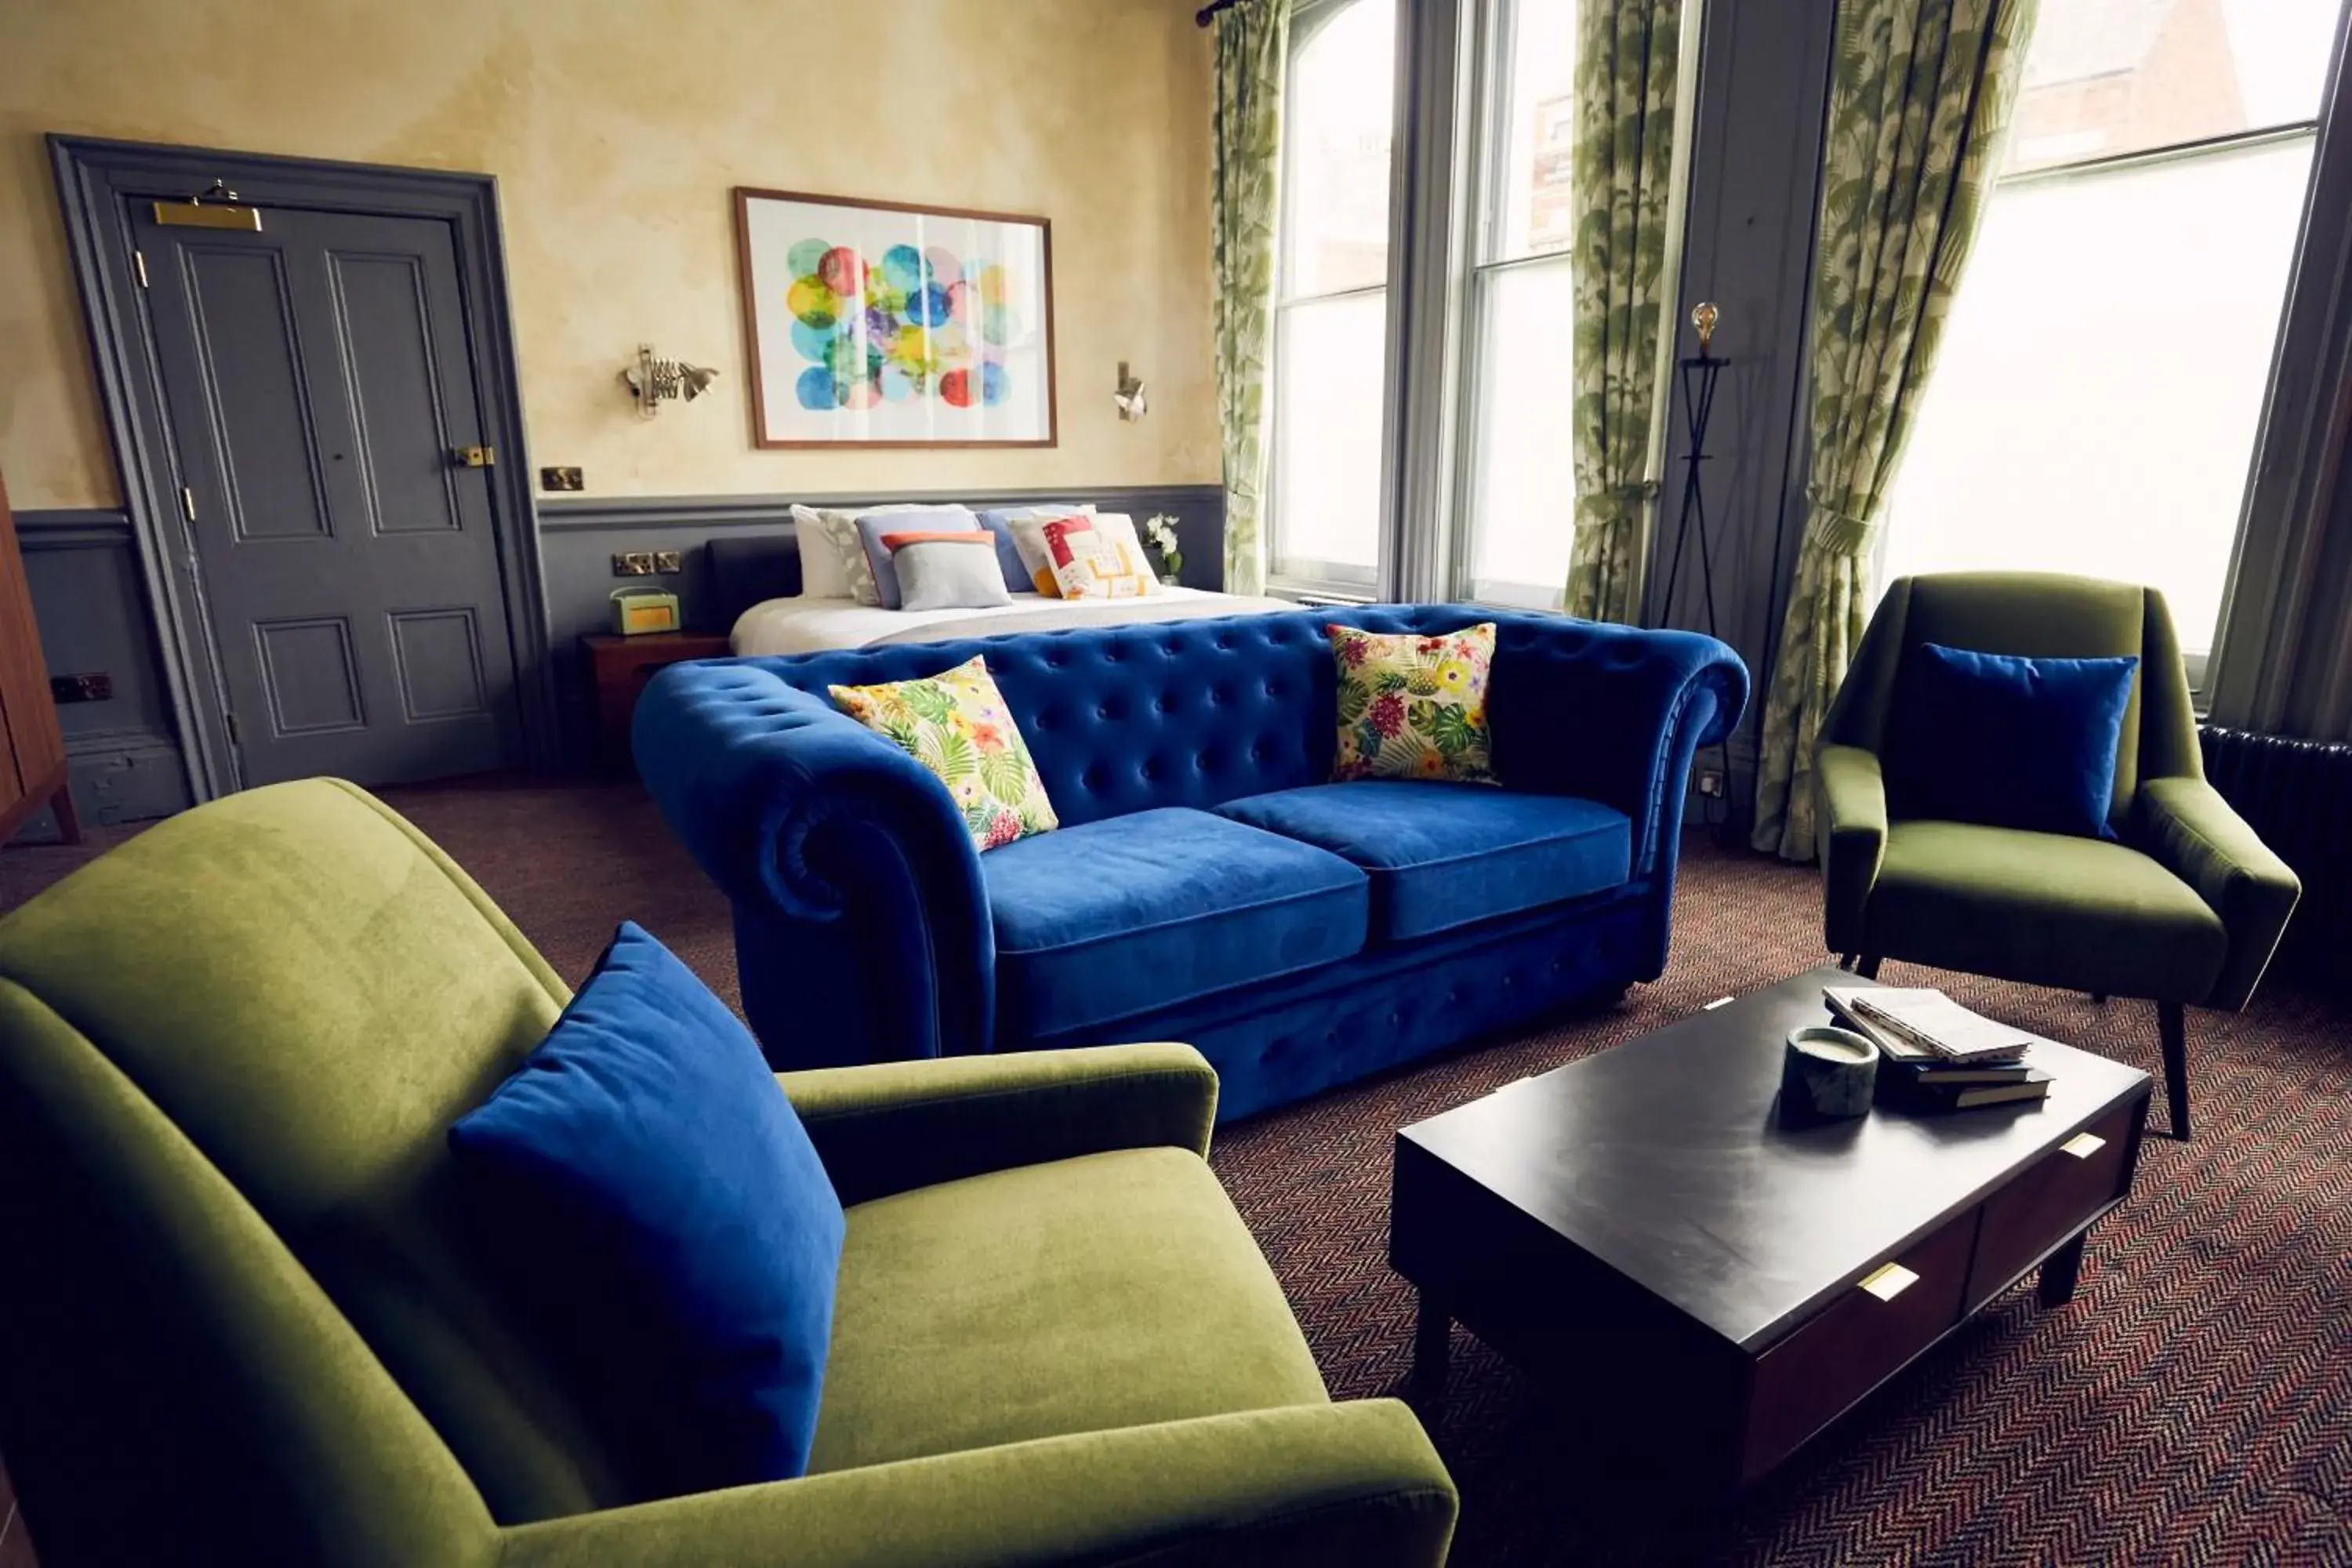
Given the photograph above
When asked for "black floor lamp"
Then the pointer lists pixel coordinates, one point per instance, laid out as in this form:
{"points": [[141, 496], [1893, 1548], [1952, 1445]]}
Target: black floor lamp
{"points": [[1699, 372]]}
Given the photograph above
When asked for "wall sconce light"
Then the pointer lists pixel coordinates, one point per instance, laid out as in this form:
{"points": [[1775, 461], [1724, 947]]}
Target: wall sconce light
{"points": [[651, 380], [1132, 401]]}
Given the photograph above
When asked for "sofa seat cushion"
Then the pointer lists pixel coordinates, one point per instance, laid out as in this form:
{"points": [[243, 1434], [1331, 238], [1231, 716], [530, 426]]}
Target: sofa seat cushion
{"points": [[1120, 916], [2047, 909], [1444, 855], [1111, 1290]]}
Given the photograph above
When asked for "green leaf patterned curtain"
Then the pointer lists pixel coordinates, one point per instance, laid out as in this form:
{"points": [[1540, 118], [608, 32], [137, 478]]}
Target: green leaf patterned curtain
{"points": [[1920, 93], [1253, 42], [1627, 63]]}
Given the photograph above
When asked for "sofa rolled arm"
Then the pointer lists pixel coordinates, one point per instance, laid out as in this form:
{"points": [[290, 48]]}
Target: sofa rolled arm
{"points": [[1612, 713], [1852, 799], [1306, 1484], [2194, 834], [894, 1126], [806, 816]]}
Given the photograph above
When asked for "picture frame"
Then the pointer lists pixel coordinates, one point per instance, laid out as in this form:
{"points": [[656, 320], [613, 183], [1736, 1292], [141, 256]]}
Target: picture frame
{"points": [[880, 324]]}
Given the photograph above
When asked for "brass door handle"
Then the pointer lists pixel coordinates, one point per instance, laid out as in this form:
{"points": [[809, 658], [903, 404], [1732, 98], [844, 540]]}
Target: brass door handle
{"points": [[1888, 1280]]}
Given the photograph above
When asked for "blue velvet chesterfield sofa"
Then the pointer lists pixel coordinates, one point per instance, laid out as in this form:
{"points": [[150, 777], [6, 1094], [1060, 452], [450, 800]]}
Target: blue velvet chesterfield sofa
{"points": [[1208, 884]]}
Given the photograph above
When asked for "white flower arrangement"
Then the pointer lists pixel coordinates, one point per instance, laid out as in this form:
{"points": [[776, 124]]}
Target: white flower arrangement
{"points": [[1160, 532]]}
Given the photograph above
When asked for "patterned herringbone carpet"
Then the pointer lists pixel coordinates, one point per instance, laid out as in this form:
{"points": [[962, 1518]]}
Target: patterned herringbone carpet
{"points": [[2193, 1405]]}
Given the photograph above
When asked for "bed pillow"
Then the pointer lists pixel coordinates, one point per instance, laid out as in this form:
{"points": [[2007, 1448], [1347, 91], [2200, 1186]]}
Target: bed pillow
{"points": [[659, 1211], [1028, 570], [2009, 741], [873, 525], [1414, 707], [947, 570], [827, 544], [833, 555], [1097, 557], [956, 724]]}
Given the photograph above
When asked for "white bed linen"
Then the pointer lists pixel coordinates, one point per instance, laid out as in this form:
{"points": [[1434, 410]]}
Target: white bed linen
{"points": [[808, 625]]}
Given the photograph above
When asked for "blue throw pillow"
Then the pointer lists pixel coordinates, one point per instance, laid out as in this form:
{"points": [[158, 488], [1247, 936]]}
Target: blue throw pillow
{"points": [[661, 1213], [2009, 741]]}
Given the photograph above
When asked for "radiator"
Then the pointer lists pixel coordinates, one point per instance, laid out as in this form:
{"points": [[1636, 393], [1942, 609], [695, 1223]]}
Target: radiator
{"points": [[2297, 794]]}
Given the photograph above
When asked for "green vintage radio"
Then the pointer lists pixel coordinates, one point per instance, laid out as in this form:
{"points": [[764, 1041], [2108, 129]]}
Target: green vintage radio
{"points": [[636, 611]]}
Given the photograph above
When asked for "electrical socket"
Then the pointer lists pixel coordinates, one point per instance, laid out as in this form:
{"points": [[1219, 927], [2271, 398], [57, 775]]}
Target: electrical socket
{"points": [[561, 479], [633, 564], [666, 561], [1710, 782]]}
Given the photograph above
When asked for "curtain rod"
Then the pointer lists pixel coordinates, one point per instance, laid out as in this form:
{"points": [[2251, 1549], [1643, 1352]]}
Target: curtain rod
{"points": [[1207, 14]]}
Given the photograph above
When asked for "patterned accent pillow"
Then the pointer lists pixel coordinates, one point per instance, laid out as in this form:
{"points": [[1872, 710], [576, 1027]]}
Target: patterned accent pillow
{"points": [[1021, 569], [1414, 707], [1096, 557], [956, 724]]}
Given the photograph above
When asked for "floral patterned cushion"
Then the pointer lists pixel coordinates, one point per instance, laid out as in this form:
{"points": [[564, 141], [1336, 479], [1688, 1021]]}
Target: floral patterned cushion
{"points": [[956, 724], [1414, 707]]}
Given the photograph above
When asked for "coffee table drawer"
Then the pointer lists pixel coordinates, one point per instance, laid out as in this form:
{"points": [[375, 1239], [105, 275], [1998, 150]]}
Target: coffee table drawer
{"points": [[1851, 1346], [2052, 1199]]}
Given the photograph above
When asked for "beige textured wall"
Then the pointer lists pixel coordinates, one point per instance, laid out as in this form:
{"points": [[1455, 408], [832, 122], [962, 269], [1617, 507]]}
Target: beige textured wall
{"points": [[617, 129]]}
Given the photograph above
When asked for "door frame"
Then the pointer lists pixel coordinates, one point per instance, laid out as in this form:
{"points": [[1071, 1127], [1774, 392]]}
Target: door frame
{"points": [[95, 176]]}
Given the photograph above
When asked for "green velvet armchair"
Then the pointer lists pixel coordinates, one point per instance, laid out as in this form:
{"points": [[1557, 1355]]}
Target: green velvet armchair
{"points": [[242, 1323], [2186, 906]]}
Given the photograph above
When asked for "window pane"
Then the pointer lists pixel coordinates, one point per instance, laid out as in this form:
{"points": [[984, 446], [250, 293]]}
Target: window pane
{"points": [[1535, 120], [1523, 489], [2109, 76], [1336, 127], [1327, 470], [2102, 372]]}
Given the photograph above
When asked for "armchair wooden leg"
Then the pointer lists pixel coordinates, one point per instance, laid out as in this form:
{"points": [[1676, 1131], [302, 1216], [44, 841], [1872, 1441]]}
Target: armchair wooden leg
{"points": [[2173, 1025], [1868, 967], [1846, 961]]}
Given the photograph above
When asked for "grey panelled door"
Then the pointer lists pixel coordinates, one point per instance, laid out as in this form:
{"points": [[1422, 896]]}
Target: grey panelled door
{"points": [[317, 384]]}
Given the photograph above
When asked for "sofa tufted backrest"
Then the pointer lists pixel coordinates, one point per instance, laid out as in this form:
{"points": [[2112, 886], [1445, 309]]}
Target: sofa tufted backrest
{"points": [[1194, 713]]}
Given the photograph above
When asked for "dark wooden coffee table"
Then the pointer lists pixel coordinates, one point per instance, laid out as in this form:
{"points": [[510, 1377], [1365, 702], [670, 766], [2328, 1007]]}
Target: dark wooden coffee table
{"points": [[1641, 1227]]}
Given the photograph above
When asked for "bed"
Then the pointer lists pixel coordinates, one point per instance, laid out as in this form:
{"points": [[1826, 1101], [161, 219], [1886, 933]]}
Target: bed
{"points": [[757, 583]]}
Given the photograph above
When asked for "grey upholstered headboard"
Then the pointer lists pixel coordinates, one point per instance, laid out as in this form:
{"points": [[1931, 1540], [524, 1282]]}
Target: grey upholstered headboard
{"points": [[746, 569]]}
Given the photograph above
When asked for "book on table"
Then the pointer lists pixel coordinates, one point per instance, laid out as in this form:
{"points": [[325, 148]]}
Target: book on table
{"points": [[1939, 1056], [1925, 1024], [1908, 1091]]}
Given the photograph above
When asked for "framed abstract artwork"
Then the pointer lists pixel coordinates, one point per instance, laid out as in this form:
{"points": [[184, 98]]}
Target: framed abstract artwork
{"points": [[876, 324]]}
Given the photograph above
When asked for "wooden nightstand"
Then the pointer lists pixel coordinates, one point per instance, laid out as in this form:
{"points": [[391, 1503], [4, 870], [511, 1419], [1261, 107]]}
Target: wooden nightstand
{"points": [[620, 667]]}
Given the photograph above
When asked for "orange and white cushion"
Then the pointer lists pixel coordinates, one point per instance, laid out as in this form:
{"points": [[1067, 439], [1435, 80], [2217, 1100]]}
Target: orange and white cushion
{"points": [[1095, 557]]}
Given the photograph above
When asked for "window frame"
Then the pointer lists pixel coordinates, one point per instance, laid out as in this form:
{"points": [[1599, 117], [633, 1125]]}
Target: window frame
{"points": [[2278, 132], [1493, 41], [1327, 582]]}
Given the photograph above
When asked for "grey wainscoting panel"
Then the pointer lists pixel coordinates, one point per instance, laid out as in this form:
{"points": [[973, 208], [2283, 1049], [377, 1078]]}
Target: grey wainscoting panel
{"points": [[87, 596], [579, 536]]}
